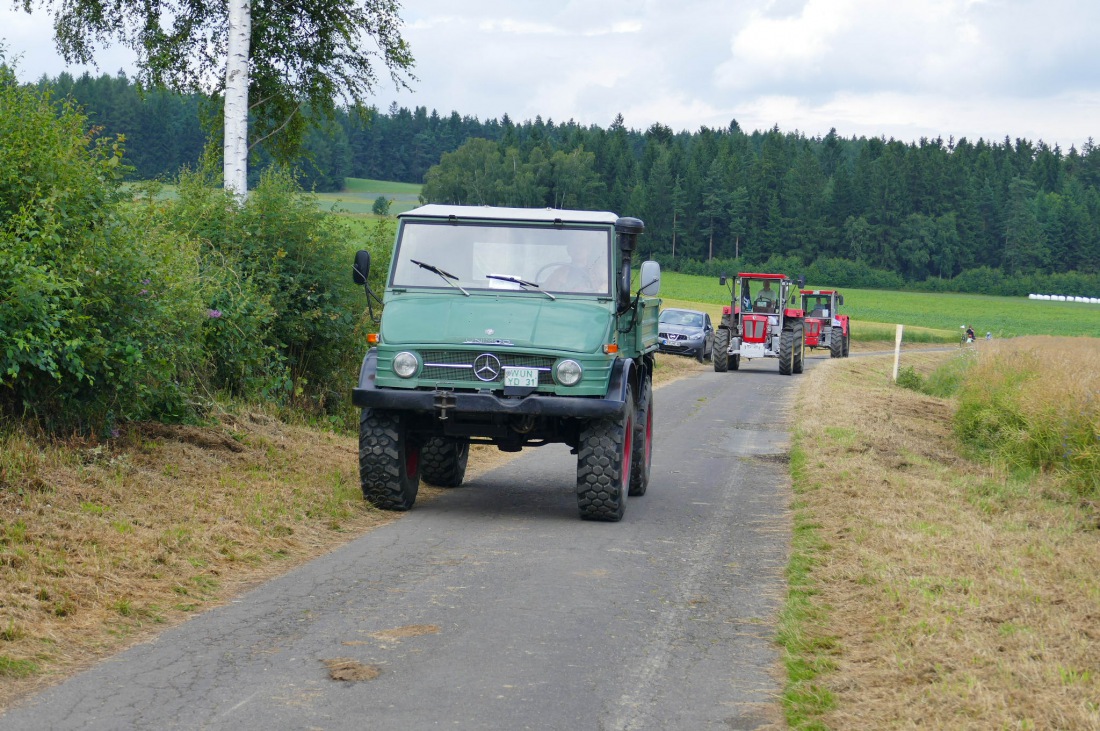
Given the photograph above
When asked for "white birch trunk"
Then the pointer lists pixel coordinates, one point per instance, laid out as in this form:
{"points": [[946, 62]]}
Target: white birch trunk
{"points": [[235, 153]]}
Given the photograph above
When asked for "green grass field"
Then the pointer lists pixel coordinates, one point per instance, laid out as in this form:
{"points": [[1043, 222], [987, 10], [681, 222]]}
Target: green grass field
{"points": [[937, 315], [928, 317], [358, 196]]}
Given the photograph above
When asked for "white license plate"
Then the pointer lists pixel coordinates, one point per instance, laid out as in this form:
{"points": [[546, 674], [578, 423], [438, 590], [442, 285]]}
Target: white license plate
{"points": [[752, 350], [521, 377]]}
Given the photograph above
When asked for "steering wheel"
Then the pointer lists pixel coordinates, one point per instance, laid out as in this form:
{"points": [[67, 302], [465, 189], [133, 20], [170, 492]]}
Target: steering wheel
{"points": [[564, 268], [551, 265]]}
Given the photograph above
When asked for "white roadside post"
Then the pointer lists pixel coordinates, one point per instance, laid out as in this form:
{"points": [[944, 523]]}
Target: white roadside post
{"points": [[897, 351]]}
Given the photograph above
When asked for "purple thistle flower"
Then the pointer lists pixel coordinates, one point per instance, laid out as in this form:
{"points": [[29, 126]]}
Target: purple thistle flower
{"points": [[214, 314]]}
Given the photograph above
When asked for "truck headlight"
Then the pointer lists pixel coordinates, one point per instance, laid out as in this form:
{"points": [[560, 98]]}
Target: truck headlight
{"points": [[405, 364], [568, 372]]}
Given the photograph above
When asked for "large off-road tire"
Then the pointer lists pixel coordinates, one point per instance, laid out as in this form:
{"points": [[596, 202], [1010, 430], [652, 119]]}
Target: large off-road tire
{"points": [[719, 354], [799, 348], [847, 343], [389, 462], [604, 458], [735, 362], [642, 446], [443, 461], [786, 352], [836, 343]]}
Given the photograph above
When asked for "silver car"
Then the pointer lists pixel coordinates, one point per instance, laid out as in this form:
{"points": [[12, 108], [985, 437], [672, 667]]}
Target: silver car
{"points": [[687, 332]]}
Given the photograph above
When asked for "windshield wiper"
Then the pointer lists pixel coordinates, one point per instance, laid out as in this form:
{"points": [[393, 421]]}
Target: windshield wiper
{"points": [[445, 276], [520, 282]]}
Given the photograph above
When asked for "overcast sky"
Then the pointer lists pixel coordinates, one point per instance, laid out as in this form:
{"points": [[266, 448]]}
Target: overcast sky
{"points": [[896, 68]]}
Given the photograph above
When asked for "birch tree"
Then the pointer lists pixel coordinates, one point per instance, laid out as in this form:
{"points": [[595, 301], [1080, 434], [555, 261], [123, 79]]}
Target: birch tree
{"points": [[301, 56], [235, 149]]}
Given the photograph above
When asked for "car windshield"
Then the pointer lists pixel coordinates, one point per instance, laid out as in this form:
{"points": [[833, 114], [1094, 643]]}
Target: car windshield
{"points": [[682, 317], [496, 257]]}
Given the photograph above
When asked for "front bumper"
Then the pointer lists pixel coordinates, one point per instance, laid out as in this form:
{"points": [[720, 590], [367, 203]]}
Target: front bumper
{"points": [[446, 403], [667, 345]]}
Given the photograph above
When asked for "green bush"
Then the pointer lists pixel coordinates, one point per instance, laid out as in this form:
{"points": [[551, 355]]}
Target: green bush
{"points": [[282, 311], [943, 382], [98, 314], [909, 378]]}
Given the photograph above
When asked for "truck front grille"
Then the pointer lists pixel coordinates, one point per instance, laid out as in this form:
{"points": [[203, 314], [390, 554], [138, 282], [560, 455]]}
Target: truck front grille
{"points": [[452, 365]]}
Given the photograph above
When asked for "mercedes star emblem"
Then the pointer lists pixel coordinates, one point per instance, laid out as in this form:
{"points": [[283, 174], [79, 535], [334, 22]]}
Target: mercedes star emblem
{"points": [[487, 367]]}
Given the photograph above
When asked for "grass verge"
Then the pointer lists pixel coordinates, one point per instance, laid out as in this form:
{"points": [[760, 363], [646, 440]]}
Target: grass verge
{"points": [[930, 589]]}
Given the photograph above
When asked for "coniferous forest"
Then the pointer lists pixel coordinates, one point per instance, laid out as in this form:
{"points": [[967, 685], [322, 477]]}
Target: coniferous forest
{"points": [[997, 217]]}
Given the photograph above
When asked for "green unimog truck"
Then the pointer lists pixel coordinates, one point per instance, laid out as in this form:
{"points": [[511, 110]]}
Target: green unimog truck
{"points": [[515, 327]]}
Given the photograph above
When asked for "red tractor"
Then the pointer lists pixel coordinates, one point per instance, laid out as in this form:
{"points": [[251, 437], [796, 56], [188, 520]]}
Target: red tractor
{"points": [[758, 324], [825, 328]]}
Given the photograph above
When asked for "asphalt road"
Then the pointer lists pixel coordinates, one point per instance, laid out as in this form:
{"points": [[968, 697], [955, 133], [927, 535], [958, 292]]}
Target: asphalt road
{"points": [[495, 607]]}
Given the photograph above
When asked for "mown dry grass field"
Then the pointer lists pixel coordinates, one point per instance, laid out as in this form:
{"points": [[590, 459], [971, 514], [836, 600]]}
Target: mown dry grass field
{"points": [[932, 590]]}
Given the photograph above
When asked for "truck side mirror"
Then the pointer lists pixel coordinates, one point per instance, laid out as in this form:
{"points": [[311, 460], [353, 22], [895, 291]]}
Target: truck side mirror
{"points": [[650, 279], [722, 280], [840, 299], [361, 268]]}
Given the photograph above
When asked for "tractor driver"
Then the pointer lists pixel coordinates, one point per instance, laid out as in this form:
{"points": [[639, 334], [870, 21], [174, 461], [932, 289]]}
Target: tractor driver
{"points": [[767, 294]]}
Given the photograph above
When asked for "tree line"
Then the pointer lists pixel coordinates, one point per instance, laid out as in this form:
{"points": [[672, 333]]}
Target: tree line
{"points": [[999, 217]]}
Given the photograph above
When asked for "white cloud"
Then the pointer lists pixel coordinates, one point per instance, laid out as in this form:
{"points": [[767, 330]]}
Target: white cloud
{"points": [[899, 68]]}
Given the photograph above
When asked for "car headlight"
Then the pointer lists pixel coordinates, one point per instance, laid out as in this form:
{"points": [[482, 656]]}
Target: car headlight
{"points": [[405, 364], [568, 372]]}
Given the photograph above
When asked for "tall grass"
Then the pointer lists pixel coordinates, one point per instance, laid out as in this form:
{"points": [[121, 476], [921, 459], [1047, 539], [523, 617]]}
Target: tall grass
{"points": [[1036, 405]]}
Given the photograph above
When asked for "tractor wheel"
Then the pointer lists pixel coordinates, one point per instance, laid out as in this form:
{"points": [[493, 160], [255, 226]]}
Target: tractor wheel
{"points": [[735, 362], [786, 352], [720, 352], [389, 463], [847, 343], [836, 343], [443, 461], [604, 458], [642, 452], [799, 349]]}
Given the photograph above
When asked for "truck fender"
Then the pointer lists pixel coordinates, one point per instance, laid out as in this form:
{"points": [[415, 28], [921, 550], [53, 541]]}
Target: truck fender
{"points": [[622, 375], [368, 370]]}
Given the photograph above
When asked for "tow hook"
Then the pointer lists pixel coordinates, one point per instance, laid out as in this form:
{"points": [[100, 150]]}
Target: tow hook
{"points": [[444, 401]]}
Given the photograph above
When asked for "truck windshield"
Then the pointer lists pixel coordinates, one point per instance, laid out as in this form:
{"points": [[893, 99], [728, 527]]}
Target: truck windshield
{"points": [[570, 260]]}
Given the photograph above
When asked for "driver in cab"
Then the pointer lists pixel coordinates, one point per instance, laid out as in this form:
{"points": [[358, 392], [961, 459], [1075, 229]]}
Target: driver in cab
{"points": [[586, 270], [766, 298]]}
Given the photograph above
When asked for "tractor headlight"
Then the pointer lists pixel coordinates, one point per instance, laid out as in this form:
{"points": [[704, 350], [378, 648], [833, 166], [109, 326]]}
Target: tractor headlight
{"points": [[568, 372], [405, 364]]}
